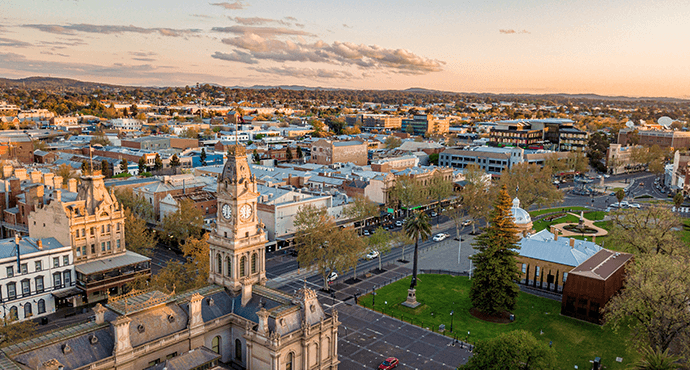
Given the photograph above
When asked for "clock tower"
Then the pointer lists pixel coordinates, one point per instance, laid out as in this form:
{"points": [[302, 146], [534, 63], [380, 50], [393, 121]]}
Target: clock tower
{"points": [[238, 245]]}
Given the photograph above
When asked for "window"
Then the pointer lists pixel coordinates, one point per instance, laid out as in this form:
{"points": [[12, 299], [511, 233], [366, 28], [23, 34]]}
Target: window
{"points": [[219, 264], [67, 277], [65, 260], [538, 270], [107, 228], [57, 280], [78, 251], [56, 262], [27, 310], [102, 229], [107, 245], [39, 284], [524, 268], [13, 313], [118, 243], [229, 263], [117, 227], [243, 261], [172, 355], [154, 362], [10, 271], [83, 233], [238, 349], [93, 230], [41, 306], [254, 263], [11, 291], [565, 276], [102, 246], [26, 287], [25, 268], [38, 265], [288, 361], [215, 345], [93, 248]]}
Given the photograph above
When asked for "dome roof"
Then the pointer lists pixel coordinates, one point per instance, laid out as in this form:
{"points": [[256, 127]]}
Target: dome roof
{"points": [[520, 216]]}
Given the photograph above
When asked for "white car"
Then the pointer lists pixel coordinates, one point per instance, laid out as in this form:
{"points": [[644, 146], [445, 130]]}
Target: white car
{"points": [[625, 204], [371, 255], [365, 232], [331, 278], [440, 237], [434, 214], [467, 223], [635, 205], [398, 223]]}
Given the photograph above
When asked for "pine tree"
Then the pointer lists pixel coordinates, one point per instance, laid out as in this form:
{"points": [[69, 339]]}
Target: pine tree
{"points": [[105, 168], [256, 156], [157, 162], [174, 161], [142, 165], [299, 153], [124, 165], [494, 287], [202, 156], [288, 154]]}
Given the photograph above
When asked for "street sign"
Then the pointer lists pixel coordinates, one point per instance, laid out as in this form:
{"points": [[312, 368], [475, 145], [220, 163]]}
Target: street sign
{"points": [[390, 210]]}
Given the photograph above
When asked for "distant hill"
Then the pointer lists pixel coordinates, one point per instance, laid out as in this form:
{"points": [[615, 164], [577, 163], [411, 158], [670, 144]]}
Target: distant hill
{"points": [[54, 83]]}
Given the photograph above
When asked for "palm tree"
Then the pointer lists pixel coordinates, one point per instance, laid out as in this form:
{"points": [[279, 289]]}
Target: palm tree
{"points": [[657, 360], [417, 226]]}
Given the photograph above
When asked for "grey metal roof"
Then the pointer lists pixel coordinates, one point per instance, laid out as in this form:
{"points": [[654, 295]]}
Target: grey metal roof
{"points": [[8, 247], [190, 360], [105, 264], [542, 246]]}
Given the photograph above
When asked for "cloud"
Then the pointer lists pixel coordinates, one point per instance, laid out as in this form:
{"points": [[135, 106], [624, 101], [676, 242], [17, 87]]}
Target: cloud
{"points": [[235, 56], [256, 21], [51, 53], [234, 6], [306, 72], [203, 16], [142, 53], [293, 19], [109, 29], [61, 44], [145, 59], [340, 53], [346, 26], [12, 43], [511, 31], [261, 31]]}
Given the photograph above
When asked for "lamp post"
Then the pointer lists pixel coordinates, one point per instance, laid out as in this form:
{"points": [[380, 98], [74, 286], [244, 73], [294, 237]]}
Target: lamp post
{"points": [[451, 320], [373, 299], [386, 304]]}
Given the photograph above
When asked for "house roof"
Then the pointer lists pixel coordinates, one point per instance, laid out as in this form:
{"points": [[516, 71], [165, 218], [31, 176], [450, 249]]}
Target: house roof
{"points": [[603, 264], [542, 246], [190, 360], [8, 247]]}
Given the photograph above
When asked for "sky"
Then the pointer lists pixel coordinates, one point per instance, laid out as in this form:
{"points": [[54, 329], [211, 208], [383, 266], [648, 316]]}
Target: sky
{"points": [[607, 47]]}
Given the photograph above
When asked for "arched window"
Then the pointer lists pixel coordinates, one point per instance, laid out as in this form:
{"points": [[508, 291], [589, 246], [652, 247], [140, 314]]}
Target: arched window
{"points": [[238, 349], [288, 361], [254, 263], [13, 313], [215, 345], [27, 310], [229, 263], [41, 306], [219, 264], [243, 261]]}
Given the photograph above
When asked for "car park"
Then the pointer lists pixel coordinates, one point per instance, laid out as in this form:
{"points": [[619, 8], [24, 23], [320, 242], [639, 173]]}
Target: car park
{"points": [[389, 363], [371, 255], [440, 237]]}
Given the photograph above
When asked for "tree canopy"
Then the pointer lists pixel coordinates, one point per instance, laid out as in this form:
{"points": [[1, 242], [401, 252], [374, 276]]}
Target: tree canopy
{"points": [[534, 183], [649, 230], [514, 350]]}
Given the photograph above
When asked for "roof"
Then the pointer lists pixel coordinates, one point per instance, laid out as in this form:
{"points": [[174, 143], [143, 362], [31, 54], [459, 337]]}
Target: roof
{"points": [[542, 246], [602, 265], [347, 143], [8, 247], [105, 264], [190, 360]]}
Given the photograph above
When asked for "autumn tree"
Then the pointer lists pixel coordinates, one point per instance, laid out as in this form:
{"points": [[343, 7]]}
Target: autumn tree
{"points": [[494, 288], [191, 274], [406, 193], [256, 157], [380, 241], [678, 199], [99, 138], [654, 302], [186, 222], [191, 133], [620, 195], [66, 172], [138, 237], [164, 129], [514, 350], [475, 194], [13, 331], [361, 208], [534, 183], [438, 190], [392, 142], [136, 204], [649, 230], [157, 163]]}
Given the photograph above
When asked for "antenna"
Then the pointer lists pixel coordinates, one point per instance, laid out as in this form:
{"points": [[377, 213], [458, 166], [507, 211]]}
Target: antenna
{"points": [[665, 121], [630, 124]]}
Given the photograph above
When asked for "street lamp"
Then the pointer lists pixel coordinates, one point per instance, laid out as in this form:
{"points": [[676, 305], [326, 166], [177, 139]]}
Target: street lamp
{"points": [[373, 299], [451, 320]]}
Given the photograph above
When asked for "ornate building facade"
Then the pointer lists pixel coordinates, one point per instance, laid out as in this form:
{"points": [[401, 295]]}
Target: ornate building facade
{"points": [[237, 320]]}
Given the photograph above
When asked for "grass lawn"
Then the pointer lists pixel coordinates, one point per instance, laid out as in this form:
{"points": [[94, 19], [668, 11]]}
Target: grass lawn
{"points": [[544, 224], [595, 216], [576, 342], [685, 232], [558, 209]]}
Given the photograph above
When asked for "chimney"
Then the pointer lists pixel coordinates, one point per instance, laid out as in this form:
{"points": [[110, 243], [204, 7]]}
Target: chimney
{"points": [[57, 182], [35, 177], [57, 195], [555, 233], [121, 329], [17, 239], [572, 242], [20, 173], [72, 185], [99, 310], [263, 321], [48, 179], [246, 293], [195, 310], [39, 243], [7, 171]]}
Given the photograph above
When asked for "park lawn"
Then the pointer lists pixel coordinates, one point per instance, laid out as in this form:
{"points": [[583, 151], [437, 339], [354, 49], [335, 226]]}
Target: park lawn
{"points": [[557, 209], [595, 216], [544, 224], [685, 232], [576, 342]]}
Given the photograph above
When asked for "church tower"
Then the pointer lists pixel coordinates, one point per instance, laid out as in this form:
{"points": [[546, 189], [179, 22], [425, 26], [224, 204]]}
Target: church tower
{"points": [[238, 245]]}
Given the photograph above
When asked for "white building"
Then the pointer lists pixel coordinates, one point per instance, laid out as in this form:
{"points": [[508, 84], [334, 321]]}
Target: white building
{"points": [[126, 124], [33, 272]]}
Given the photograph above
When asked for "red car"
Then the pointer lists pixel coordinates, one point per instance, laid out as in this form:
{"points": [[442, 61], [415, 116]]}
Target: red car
{"points": [[389, 363]]}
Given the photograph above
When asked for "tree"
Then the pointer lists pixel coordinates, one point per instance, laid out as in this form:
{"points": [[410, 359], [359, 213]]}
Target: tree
{"points": [[620, 195], [174, 161], [534, 182], [649, 230], [157, 162], [66, 172], [494, 288], [105, 168], [406, 193], [288, 154], [191, 274], [85, 168], [361, 209], [124, 165], [202, 156], [380, 241], [300, 155], [142, 165], [416, 226], [439, 189], [514, 350], [138, 237], [392, 142], [678, 199], [13, 331], [323, 245], [191, 133], [433, 159], [99, 138], [657, 360], [654, 302], [256, 157], [186, 222], [164, 129], [136, 204], [475, 193]]}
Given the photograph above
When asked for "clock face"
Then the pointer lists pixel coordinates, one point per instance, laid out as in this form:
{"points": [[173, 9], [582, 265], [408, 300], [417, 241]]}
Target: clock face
{"points": [[245, 212], [227, 211]]}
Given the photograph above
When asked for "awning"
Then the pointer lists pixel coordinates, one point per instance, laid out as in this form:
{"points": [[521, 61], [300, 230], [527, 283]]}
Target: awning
{"points": [[110, 263], [67, 293]]}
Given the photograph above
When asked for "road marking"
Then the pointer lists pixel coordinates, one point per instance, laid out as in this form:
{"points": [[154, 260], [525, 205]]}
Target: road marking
{"points": [[374, 331]]}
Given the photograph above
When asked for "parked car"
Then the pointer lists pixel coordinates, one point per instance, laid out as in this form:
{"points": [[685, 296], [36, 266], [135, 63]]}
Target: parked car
{"points": [[371, 255], [607, 176], [608, 209], [398, 223], [467, 223], [625, 204], [635, 205], [440, 237], [365, 232], [434, 214], [389, 363], [332, 277]]}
